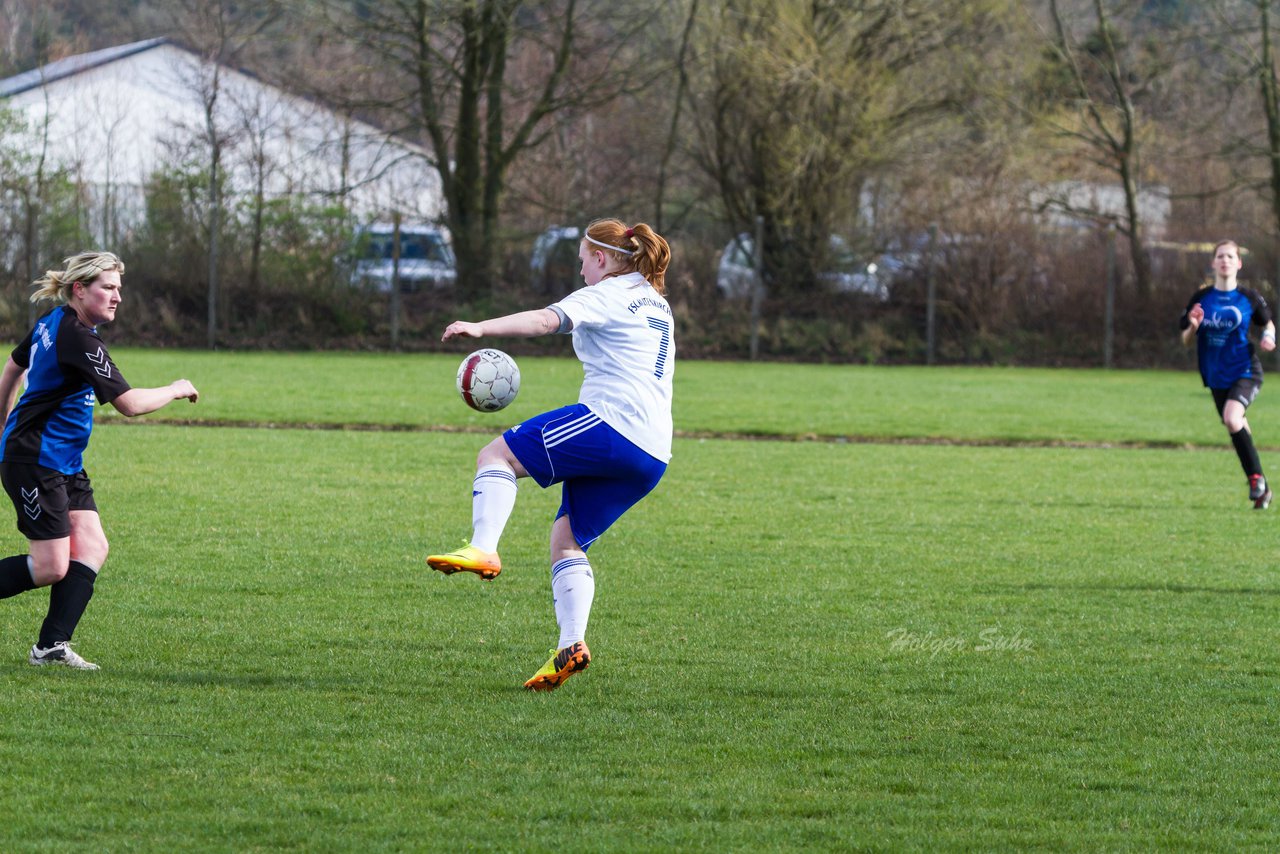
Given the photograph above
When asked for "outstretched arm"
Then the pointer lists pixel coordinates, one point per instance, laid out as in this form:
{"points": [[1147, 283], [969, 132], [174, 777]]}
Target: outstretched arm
{"points": [[140, 401], [525, 324]]}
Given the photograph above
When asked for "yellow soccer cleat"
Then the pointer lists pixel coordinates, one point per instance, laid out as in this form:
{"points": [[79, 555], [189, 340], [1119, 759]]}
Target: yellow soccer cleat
{"points": [[467, 559], [563, 663]]}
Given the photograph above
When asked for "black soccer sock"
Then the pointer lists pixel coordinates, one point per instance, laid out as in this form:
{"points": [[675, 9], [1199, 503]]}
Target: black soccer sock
{"points": [[1248, 454], [15, 576], [67, 601]]}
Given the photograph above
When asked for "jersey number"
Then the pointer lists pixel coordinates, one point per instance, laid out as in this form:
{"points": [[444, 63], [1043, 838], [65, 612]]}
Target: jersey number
{"points": [[664, 346]]}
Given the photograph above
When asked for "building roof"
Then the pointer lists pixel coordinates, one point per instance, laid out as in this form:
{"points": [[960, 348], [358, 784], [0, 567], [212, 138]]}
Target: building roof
{"points": [[113, 118], [70, 65]]}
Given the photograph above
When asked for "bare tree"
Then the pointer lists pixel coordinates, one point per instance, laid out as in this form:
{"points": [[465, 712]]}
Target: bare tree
{"points": [[30, 184], [41, 206], [257, 117], [16, 201], [220, 33], [1269, 92], [673, 135], [26, 35], [1253, 147], [799, 104], [479, 83], [1111, 74]]}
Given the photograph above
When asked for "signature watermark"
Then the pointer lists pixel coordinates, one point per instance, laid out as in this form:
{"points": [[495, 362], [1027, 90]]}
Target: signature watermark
{"points": [[990, 639]]}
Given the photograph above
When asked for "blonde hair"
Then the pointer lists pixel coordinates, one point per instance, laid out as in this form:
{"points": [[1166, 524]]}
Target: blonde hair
{"points": [[56, 285], [638, 248]]}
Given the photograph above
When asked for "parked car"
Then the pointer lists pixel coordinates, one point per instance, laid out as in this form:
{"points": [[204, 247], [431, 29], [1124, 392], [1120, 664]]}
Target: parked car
{"points": [[554, 265], [848, 273], [426, 258]]}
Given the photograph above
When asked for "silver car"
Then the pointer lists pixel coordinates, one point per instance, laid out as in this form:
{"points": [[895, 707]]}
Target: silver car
{"points": [[848, 274], [426, 258]]}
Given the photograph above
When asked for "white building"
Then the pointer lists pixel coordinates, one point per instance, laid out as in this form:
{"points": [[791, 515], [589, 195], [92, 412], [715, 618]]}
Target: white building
{"points": [[1079, 204], [114, 117]]}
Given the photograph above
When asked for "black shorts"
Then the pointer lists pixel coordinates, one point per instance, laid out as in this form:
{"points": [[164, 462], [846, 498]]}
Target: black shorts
{"points": [[1243, 391], [44, 498]]}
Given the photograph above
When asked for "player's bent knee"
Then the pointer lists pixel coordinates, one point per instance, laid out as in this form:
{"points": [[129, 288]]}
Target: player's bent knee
{"points": [[93, 554], [45, 574], [498, 453]]}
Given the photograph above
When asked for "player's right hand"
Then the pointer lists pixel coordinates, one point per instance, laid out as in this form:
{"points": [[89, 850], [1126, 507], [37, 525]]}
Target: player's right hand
{"points": [[184, 389], [1195, 315], [461, 329]]}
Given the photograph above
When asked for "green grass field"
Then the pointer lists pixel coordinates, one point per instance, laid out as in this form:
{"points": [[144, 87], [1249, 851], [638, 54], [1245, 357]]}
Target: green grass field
{"points": [[1053, 628], [997, 405]]}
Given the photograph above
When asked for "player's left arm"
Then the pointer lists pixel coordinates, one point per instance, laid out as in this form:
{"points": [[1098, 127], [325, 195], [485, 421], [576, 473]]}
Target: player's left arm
{"points": [[140, 401], [1262, 317]]}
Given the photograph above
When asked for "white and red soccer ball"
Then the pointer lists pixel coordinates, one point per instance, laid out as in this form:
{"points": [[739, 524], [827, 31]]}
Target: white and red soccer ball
{"points": [[488, 380]]}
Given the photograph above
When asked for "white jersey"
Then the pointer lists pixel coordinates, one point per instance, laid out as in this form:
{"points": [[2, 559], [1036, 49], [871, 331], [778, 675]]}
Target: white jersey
{"points": [[624, 334]]}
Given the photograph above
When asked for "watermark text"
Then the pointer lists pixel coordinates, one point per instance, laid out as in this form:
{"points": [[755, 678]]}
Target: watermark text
{"points": [[932, 644]]}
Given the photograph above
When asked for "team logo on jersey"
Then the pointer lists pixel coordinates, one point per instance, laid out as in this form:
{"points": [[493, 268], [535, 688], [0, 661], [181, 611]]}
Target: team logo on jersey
{"points": [[30, 502], [1224, 319], [100, 362]]}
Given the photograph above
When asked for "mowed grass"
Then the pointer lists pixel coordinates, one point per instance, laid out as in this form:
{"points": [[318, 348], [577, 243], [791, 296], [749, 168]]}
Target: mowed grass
{"points": [[996, 405], [798, 645]]}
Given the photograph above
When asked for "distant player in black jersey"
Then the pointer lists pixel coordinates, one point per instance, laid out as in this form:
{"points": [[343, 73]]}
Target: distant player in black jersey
{"points": [[1218, 318], [68, 371]]}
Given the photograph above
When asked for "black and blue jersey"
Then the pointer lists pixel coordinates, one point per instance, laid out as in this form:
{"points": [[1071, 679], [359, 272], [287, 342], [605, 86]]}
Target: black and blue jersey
{"points": [[1223, 348], [68, 372]]}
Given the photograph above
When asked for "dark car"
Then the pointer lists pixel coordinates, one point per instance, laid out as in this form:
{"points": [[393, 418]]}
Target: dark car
{"points": [[554, 266]]}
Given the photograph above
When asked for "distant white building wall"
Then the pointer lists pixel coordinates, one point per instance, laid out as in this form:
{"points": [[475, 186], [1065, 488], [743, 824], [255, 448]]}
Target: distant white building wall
{"points": [[114, 118], [1079, 204]]}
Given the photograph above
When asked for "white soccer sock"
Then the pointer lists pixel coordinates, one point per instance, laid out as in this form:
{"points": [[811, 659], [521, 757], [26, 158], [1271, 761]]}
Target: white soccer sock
{"points": [[572, 589], [493, 497]]}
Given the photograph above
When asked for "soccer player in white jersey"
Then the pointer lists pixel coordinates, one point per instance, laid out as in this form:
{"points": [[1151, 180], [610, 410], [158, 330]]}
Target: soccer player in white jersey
{"points": [[608, 451]]}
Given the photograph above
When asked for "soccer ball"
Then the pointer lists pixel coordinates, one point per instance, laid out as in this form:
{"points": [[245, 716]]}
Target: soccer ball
{"points": [[488, 380]]}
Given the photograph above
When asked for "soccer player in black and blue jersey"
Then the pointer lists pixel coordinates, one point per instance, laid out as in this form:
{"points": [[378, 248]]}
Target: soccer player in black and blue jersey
{"points": [[68, 371], [1218, 318]]}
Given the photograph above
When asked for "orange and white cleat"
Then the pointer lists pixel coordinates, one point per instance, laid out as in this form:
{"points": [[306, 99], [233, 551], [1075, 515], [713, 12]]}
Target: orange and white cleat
{"points": [[467, 559], [563, 663]]}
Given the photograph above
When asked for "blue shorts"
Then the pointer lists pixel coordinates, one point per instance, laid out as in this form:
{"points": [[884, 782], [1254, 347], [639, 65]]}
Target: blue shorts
{"points": [[603, 473]]}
